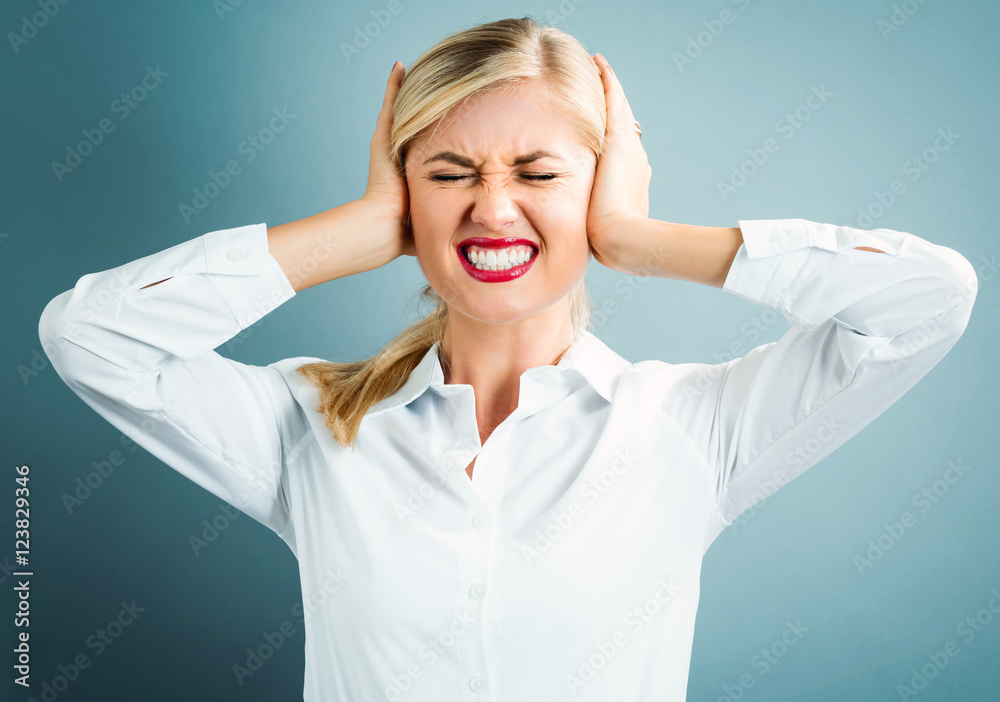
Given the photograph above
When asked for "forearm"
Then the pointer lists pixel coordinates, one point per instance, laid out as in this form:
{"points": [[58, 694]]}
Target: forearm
{"points": [[332, 244], [681, 251], [109, 321]]}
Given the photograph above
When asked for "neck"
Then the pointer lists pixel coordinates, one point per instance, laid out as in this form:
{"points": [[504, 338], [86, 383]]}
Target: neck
{"points": [[492, 357]]}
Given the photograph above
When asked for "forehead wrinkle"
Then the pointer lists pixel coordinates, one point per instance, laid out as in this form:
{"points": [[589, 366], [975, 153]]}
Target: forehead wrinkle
{"points": [[460, 160]]}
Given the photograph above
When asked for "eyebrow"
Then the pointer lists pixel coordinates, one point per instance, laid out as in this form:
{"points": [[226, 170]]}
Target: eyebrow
{"points": [[452, 157]]}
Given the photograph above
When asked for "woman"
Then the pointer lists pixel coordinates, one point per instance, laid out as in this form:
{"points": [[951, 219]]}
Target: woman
{"points": [[498, 506]]}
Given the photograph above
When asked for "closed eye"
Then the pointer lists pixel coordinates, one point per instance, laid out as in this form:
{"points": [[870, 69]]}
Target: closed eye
{"points": [[526, 176]]}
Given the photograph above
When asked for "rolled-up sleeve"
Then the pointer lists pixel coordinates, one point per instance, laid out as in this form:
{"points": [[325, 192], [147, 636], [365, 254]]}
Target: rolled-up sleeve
{"points": [[866, 326], [144, 359]]}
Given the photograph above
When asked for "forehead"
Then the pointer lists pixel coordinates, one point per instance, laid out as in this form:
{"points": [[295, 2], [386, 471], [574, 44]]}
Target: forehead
{"points": [[498, 126]]}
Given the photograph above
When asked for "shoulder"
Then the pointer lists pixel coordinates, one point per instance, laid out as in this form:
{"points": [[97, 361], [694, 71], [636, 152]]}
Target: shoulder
{"points": [[678, 385], [668, 384], [286, 372]]}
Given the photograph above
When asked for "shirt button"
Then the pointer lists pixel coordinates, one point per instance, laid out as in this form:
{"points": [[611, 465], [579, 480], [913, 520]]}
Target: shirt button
{"points": [[476, 683], [779, 237], [480, 520], [235, 255], [477, 590]]}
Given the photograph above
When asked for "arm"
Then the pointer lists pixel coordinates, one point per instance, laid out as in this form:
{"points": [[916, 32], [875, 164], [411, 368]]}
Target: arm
{"points": [[871, 312], [136, 342], [142, 358], [329, 245], [681, 251]]}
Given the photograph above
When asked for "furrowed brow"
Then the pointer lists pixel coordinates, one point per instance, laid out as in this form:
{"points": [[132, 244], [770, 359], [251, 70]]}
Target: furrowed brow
{"points": [[452, 157]]}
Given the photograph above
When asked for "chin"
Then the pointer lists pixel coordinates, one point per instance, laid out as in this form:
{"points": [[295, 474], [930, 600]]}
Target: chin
{"points": [[496, 312]]}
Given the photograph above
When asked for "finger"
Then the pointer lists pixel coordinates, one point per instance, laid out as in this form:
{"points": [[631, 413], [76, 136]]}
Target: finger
{"points": [[607, 78], [392, 84], [384, 122], [620, 117]]}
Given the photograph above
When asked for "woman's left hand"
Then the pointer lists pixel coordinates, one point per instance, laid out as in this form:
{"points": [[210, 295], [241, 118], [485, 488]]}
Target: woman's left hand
{"points": [[621, 183]]}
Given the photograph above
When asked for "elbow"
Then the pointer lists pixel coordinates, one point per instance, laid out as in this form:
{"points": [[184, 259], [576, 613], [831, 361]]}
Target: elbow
{"points": [[56, 326], [50, 325], [960, 285]]}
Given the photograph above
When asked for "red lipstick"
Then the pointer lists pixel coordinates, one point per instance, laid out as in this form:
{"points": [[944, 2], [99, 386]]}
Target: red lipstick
{"points": [[488, 276]]}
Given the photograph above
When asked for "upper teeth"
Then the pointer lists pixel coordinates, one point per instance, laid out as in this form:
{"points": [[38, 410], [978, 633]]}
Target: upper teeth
{"points": [[498, 259]]}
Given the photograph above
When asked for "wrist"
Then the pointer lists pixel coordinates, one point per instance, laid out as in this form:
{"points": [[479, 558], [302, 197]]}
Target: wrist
{"points": [[355, 228], [622, 244], [690, 252]]}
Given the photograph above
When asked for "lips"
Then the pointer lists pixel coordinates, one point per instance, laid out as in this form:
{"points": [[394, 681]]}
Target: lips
{"points": [[511, 248]]}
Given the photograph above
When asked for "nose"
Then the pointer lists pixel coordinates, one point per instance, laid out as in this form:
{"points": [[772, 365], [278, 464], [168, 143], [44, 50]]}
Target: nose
{"points": [[493, 209]]}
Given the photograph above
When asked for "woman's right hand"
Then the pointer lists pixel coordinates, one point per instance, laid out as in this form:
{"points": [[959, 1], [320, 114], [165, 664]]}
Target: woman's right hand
{"points": [[386, 191]]}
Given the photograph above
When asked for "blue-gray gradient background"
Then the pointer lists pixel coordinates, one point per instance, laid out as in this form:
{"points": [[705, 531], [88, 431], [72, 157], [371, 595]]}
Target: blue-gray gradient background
{"points": [[891, 86]]}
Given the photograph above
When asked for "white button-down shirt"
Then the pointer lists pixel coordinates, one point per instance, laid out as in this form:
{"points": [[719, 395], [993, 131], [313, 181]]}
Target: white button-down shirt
{"points": [[567, 567]]}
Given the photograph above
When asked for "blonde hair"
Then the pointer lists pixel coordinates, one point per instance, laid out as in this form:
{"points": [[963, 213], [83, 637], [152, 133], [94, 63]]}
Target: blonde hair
{"points": [[489, 56]]}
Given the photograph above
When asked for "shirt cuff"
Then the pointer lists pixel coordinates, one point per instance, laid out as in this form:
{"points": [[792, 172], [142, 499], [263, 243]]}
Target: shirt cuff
{"points": [[758, 273], [761, 274], [243, 251]]}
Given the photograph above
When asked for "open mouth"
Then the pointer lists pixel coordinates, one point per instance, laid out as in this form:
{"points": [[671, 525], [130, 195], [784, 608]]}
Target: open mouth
{"points": [[489, 259], [497, 260]]}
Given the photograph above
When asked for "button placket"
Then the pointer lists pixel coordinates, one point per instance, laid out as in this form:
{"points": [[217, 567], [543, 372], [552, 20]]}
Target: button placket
{"points": [[479, 555], [476, 564]]}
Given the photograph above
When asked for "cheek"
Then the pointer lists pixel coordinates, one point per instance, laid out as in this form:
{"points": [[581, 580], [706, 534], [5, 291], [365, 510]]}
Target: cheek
{"points": [[428, 218], [563, 220]]}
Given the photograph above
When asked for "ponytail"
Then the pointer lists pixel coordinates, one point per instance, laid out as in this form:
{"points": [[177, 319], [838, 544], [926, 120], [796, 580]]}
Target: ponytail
{"points": [[348, 390]]}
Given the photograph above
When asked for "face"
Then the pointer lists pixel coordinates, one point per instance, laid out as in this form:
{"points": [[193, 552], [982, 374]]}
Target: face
{"points": [[501, 177]]}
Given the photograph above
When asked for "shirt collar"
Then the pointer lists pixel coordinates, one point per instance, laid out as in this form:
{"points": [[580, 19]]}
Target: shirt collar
{"points": [[587, 358]]}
